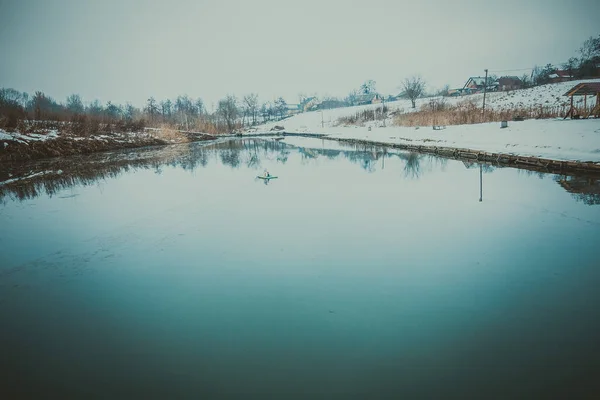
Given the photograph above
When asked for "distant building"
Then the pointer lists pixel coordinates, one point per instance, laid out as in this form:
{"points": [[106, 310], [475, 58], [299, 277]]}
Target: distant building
{"points": [[455, 92], [371, 98], [475, 84], [293, 109], [328, 104], [509, 83], [399, 96], [560, 76]]}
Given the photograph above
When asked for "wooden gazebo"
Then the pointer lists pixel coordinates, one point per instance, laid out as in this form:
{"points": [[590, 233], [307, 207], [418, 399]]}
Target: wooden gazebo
{"points": [[584, 89]]}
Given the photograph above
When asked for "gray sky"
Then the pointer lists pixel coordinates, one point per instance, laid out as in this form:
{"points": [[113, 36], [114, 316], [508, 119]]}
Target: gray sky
{"points": [[129, 50]]}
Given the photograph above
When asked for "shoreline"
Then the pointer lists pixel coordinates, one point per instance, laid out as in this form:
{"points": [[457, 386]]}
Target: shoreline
{"points": [[552, 145], [538, 164], [56, 146], [16, 147], [24, 180]]}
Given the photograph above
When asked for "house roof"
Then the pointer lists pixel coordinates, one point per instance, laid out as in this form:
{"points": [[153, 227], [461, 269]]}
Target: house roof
{"points": [[563, 73], [478, 80], [307, 99], [366, 97], [560, 74], [584, 89], [509, 79]]}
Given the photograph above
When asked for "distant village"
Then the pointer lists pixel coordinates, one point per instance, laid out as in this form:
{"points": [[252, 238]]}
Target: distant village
{"points": [[473, 85]]}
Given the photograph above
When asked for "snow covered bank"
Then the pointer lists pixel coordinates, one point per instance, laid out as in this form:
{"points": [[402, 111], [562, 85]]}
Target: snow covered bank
{"points": [[555, 139], [564, 140]]}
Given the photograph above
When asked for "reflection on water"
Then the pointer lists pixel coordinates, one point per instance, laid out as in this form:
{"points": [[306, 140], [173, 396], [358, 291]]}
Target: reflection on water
{"points": [[28, 180], [583, 188], [361, 272]]}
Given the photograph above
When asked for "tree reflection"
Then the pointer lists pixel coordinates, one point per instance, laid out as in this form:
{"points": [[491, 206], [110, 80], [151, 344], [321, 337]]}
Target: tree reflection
{"points": [[29, 180], [585, 189], [412, 167]]}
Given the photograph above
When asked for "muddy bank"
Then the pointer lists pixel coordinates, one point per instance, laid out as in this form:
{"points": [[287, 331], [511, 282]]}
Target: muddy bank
{"points": [[21, 148]]}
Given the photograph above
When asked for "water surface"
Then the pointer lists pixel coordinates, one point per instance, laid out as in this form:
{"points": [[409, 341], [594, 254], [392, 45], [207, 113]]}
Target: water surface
{"points": [[359, 273]]}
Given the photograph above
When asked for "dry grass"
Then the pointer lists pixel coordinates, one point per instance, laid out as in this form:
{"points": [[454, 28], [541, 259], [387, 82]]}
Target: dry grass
{"points": [[169, 134], [437, 112], [360, 117]]}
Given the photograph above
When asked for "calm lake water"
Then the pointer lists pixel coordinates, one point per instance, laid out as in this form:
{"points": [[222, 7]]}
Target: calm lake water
{"points": [[358, 273]]}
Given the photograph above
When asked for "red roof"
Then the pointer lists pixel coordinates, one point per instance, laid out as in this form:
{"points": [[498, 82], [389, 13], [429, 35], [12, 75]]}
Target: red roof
{"points": [[563, 73]]}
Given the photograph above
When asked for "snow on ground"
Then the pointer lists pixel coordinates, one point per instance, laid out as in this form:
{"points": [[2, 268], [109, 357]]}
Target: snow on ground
{"points": [[121, 137], [25, 138], [544, 95], [558, 139]]}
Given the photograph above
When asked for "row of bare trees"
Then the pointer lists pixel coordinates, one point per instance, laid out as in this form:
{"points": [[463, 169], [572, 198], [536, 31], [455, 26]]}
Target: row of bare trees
{"points": [[182, 112]]}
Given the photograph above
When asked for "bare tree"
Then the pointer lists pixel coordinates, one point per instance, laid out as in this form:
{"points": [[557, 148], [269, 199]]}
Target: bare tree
{"points": [[43, 106], [444, 91], [590, 49], [368, 87], [251, 105], [590, 58], [264, 112], [74, 104], [200, 106], [151, 107], [352, 97], [280, 107], [113, 110], [228, 110], [571, 65], [413, 88], [166, 108], [95, 108], [129, 112]]}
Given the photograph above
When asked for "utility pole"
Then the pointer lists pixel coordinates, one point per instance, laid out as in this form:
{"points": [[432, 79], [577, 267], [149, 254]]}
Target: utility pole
{"points": [[322, 124], [484, 90]]}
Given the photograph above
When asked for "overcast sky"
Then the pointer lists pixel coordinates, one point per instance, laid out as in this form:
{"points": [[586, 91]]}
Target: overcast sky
{"points": [[129, 50]]}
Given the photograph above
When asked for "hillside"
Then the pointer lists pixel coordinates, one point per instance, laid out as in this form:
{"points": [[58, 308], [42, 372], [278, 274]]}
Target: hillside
{"points": [[556, 139], [545, 95]]}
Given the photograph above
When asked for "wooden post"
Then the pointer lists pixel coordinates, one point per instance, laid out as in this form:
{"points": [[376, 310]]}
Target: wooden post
{"points": [[585, 104], [570, 112]]}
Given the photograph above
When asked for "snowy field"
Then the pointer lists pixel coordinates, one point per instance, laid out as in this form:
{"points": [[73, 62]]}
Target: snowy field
{"points": [[558, 139]]}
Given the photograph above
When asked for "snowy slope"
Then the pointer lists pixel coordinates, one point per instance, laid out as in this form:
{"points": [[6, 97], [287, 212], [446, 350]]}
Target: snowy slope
{"points": [[546, 95], [573, 140]]}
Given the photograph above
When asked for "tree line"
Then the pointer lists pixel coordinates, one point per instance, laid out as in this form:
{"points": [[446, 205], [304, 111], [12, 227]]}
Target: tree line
{"points": [[184, 113]]}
